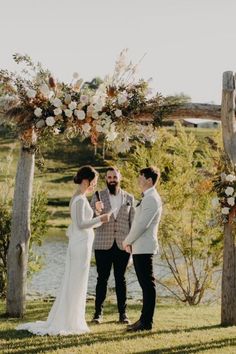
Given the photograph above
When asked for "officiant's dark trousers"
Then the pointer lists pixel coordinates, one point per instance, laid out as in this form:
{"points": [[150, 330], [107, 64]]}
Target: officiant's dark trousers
{"points": [[104, 261], [143, 265]]}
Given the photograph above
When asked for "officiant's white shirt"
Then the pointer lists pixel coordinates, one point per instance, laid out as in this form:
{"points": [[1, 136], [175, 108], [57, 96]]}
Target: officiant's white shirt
{"points": [[116, 202]]}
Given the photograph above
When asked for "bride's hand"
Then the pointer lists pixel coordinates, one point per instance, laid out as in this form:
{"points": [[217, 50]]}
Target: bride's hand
{"points": [[105, 217], [99, 206]]}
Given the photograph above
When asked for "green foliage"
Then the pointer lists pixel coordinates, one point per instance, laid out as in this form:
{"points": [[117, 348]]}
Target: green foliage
{"points": [[39, 217], [190, 235]]}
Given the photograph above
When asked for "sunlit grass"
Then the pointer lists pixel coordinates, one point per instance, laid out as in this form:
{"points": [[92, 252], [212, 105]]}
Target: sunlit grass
{"points": [[177, 329]]}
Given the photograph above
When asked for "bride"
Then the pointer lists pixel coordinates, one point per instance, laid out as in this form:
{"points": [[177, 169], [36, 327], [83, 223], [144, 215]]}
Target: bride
{"points": [[67, 315]]}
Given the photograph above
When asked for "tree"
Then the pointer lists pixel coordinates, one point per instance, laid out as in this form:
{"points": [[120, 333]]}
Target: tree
{"points": [[190, 234]]}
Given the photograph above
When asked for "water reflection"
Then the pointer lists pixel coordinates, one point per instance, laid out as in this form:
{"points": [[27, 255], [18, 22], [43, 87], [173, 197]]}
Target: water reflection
{"points": [[47, 280]]}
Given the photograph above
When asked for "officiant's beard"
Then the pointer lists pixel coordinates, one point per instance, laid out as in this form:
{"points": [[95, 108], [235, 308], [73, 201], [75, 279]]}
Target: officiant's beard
{"points": [[113, 187]]}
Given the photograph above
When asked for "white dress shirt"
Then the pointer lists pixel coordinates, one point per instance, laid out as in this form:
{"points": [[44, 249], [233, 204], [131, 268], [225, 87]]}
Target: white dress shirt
{"points": [[116, 202]]}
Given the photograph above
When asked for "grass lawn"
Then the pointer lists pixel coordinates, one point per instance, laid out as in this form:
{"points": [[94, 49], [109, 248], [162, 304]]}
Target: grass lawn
{"points": [[177, 329]]}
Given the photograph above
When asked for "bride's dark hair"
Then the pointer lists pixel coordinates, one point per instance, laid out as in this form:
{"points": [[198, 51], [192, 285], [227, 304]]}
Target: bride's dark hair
{"points": [[85, 172]]}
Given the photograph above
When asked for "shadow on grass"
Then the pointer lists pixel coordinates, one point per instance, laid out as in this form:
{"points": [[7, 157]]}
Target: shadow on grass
{"points": [[194, 348]]}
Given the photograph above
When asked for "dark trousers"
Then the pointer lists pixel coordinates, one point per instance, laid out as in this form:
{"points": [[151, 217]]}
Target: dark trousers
{"points": [[104, 261], [143, 265]]}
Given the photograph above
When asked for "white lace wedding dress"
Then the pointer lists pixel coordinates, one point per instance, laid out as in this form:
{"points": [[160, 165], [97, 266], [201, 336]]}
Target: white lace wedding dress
{"points": [[67, 315]]}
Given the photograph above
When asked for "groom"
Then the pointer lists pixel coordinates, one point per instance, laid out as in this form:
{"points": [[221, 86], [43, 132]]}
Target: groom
{"points": [[142, 243]]}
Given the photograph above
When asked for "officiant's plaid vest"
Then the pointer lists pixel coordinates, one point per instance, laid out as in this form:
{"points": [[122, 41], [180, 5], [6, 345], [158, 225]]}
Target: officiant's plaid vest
{"points": [[116, 229]]}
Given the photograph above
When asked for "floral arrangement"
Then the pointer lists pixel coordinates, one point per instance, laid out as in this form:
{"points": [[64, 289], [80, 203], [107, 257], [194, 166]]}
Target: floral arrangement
{"points": [[225, 187], [38, 105]]}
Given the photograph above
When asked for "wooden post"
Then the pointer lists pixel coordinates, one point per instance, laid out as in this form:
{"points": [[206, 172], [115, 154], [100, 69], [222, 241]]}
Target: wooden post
{"points": [[228, 298], [17, 257]]}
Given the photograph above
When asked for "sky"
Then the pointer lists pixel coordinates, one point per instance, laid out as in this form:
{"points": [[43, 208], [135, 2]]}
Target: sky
{"points": [[188, 44]]}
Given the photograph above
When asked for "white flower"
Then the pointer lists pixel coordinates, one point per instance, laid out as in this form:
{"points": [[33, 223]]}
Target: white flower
{"points": [[223, 176], [56, 131], [79, 114], [231, 201], [230, 178], [98, 106], [57, 102], [84, 99], [86, 128], [229, 191], [72, 105], [44, 89], [38, 112], [75, 75], [50, 121], [95, 115], [31, 93], [215, 202], [111, 136], [225, 210], [99, 128], [122, 98], [40, 124], [118, 113], [57, 111], [68, 113]]}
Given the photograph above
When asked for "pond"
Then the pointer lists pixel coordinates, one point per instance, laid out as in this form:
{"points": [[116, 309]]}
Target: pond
{"points": [[53, 252]]}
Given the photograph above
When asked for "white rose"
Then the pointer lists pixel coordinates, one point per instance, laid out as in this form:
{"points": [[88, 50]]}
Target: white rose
{"points": [[72, 105], [68, 113], [38, 112], [99, 128], [50, 121], [98, 106], [118, 113], [229, 191], [225, 211], [122, 98], [57, 102], [84, 99], [79, 114], [95, 115], [31, 93], [45, 90], [230, 178], [231, 201], [75, 75], [40, 124], [86, 128], [111, 136], [57, 111]]}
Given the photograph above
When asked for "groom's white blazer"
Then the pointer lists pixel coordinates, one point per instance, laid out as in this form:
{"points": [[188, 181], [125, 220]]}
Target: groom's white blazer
{"points": [[143, 233]]}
